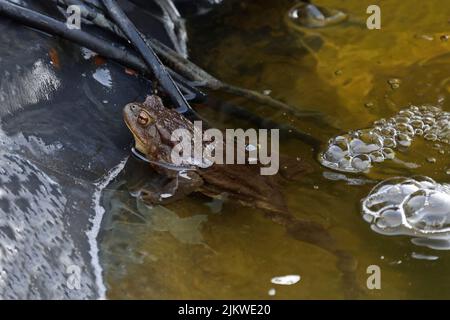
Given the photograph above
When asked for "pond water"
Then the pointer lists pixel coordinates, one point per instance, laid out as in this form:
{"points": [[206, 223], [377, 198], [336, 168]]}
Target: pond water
{"points": [[352, 76]]}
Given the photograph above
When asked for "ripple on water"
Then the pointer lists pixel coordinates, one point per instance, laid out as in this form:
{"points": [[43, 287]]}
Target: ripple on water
{"points": [[417, 207], [357, 151]]}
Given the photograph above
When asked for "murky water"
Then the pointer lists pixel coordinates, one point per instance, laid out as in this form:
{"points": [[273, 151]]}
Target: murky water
{"points": [[198, 248]]}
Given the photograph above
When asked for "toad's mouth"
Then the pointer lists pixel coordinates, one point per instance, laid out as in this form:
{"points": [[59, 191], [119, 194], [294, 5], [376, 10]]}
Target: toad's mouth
{"points": [[138, 143], [138, 155]]}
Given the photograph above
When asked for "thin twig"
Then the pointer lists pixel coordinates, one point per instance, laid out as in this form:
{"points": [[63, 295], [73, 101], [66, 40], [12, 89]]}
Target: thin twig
{"points": [[123, 56], [52, 26], [193, 72], [149, 56]]}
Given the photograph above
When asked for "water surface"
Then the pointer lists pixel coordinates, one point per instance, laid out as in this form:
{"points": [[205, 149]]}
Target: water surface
{"points": [[352, 76]]}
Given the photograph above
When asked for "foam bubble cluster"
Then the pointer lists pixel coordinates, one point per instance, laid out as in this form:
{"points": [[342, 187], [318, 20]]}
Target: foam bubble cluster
{"points": [[357, 151], [418, 207]]}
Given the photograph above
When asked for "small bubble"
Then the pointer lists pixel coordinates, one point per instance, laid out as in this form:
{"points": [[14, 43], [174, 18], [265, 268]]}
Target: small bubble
{"points": [[430, 137], [377, 156], [389, 143], [403, 140], [361, 162], [426, 37], [394, 83]]}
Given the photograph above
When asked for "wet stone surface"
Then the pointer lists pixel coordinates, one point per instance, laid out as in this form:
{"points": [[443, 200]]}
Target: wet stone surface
{"points": [[59, 136]]}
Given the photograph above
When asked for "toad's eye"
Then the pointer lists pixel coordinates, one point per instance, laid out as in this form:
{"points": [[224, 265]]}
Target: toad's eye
{"points": [[143, 119]]}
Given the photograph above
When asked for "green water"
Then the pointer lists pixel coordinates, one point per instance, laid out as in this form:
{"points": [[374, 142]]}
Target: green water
{"points": [[187, 251]]}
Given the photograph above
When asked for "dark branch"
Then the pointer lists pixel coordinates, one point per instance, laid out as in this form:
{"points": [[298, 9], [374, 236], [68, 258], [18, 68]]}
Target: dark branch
{"points": [[149, 56]]}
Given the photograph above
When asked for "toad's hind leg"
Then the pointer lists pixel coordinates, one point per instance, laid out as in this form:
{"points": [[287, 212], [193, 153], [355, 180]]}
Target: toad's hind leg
{"points": [[316, 234]]}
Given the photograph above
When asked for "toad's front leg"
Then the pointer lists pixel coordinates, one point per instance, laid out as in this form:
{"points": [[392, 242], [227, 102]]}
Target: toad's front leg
{"points": [[181, 185]]}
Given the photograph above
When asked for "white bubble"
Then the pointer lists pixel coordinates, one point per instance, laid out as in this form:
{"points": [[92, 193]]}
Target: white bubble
{"points": [[349, 152], [403, 140], [361, 162], [377, 156], [419, 256], [418, 207], [286, 280]]}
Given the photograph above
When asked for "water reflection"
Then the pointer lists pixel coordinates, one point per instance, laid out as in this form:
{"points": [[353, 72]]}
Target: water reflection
{"points": [[27, 87]]}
